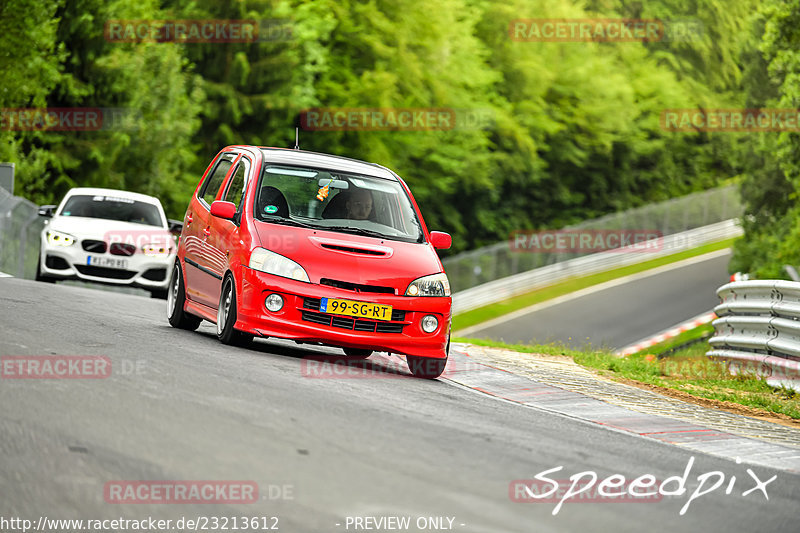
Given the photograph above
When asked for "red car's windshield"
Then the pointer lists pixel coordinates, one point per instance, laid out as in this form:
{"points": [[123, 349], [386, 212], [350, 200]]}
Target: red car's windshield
{"points": [[336, 201]]}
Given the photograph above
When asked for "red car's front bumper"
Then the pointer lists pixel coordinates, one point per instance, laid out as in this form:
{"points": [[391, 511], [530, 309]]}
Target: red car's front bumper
{"points": [[300, 319]]}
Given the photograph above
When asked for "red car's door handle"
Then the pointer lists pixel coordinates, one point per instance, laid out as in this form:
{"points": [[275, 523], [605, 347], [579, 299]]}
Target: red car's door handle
{"points": [[207, 232], [189, 219]]}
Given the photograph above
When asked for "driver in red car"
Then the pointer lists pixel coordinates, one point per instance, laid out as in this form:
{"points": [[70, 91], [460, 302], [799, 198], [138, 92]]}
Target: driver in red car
{"points": [[359, 204]]}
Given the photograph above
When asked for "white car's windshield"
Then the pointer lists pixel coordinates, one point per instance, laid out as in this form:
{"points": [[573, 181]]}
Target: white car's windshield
{"points": [[112, 208], [336, 201]]}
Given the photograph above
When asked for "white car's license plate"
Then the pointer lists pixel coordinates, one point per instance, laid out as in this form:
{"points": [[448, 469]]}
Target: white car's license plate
{"points": [[107, 262]]}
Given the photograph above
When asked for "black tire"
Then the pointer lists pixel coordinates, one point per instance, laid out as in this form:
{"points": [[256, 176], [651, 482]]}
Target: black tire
{"points": [[41, 277], [226, 316], [160, 294], [176, 298], [357, 353], [426, 367]]}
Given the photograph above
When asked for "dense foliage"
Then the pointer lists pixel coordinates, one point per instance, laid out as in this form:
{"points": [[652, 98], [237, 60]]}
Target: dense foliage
{"points": [[771, 188], [569, 131]]}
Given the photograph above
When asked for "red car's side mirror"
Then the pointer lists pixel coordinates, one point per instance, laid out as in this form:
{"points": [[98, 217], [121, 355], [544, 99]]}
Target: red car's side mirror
{"points": [[223, 209], [440, 240]]}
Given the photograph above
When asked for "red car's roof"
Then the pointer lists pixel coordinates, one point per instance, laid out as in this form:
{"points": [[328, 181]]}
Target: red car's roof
{"points": [[316, 159]]}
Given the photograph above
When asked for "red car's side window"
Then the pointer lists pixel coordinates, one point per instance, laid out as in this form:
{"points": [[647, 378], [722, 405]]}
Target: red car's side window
{"points": [[238, 183], [208, 192]]}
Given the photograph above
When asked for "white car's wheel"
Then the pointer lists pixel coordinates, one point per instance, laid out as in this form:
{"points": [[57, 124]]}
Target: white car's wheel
{"points": [[40, 276]]}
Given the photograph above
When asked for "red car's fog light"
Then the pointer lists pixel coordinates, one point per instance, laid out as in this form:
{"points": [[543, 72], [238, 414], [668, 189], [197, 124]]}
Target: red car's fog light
{"points": [[429, 323], [273, 302]]}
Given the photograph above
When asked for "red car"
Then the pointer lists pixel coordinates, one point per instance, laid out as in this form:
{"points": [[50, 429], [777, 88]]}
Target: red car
{"points": [[315, 248]]}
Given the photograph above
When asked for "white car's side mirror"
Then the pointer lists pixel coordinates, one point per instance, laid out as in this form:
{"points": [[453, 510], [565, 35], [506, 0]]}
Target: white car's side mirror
{"points": [[47, 211]]}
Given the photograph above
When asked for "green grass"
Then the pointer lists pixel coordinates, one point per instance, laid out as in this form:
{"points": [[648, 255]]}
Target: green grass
{"points": [[547, 349], [704, 330], [687, 370], [482, 314], [690, 371]]}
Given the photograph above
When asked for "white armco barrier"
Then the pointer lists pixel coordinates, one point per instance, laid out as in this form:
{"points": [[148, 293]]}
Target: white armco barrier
{"points": [[502, 289], [758, 330]]}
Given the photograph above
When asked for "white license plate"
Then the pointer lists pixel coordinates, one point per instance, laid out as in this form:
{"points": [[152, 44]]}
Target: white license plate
{"points": [[107, 262]]}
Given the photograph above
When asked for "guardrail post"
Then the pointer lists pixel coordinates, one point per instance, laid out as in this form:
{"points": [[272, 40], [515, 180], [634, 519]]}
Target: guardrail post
{"points": [[23, 242]]}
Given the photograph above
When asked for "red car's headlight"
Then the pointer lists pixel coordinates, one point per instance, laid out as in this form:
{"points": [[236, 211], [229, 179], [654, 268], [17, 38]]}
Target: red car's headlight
{"points": [[433, 285], [272, 263]]}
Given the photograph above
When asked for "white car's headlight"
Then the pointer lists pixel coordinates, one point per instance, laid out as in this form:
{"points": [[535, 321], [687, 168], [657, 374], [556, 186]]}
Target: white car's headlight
{"points": [[272, 263], [433, 285], [56, 238], [156, 250]]}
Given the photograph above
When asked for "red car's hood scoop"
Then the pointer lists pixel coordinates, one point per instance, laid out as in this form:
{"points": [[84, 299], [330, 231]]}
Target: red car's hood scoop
{"points": [[348, 247], [357, 263]]}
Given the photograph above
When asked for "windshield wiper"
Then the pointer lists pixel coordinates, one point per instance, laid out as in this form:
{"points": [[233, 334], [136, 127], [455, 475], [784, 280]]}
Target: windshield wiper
{"points": [[284, 221], [359, 231]]}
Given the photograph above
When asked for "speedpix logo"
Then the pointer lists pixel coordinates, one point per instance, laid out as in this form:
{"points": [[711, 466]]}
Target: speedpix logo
{"points": [[586, 487]]}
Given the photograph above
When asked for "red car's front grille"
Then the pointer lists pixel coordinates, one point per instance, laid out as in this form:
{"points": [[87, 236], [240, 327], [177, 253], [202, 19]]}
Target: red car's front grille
{"points": [[314, 303], [345, 322]]}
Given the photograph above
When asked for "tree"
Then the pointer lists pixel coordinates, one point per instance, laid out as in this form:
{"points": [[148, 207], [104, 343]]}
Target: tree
{"points": [[771, 189]]}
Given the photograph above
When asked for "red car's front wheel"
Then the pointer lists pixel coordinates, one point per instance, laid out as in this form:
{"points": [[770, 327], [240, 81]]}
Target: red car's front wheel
{"points": [[226, 316], [176, 298], [427, 367]]}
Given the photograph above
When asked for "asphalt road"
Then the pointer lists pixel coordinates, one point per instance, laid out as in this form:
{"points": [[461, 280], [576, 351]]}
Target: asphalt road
{"points": [[180, 406], [620, 315]]}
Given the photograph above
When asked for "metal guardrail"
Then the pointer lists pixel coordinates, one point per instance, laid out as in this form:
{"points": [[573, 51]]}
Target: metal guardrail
{"points": [[758, 330], [497, 261], [502, 289], [20, 226]]}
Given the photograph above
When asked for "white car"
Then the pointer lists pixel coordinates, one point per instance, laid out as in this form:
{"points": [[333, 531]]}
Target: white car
{"points": [[107, 236]]}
